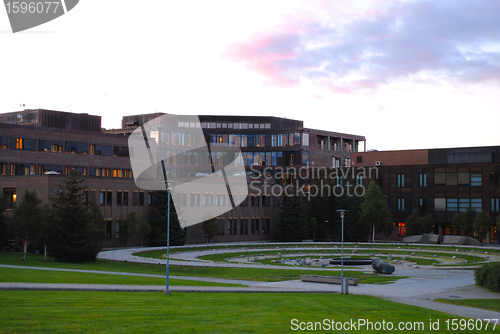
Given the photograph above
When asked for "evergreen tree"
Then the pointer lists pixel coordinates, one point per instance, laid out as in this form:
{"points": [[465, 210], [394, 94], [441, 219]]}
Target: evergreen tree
{"points": [[209, 228], [375, 211], [158, 222], [3, 223], [457, 224], [76, 234], [482, 224], [128, 227], [143, 229], [468, 222], [292, 219], [27, 218]]}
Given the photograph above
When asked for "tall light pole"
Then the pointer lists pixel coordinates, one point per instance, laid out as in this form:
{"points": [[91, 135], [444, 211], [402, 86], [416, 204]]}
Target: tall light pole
{"points": [[342, 215], [167, 285]]}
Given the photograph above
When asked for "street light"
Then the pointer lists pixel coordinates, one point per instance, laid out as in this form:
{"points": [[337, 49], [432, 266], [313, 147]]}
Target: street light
{"points": [[167, 287], [342, 215]]}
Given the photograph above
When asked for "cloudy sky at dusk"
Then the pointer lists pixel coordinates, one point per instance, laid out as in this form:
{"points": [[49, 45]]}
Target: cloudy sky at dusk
{"points": [[405, 74]]}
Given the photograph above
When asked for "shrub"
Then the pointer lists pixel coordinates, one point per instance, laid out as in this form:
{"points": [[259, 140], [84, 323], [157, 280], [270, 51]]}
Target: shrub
{"points": [[488, 275]]}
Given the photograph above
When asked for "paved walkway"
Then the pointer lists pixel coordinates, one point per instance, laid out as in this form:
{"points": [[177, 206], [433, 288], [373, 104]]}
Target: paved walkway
{"points": [[420, 289]]}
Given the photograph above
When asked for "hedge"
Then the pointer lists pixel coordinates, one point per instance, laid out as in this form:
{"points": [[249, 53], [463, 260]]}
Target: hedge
{"points": [[488, 275]]}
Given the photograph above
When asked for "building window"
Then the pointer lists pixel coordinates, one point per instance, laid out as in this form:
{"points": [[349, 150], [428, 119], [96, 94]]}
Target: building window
{"points": [[359, 179], [422, 180], [451, 204], [50, 145], [109, 197], [401, 204], [135, 198], [100, 149], [4, 142], [76, 170], [150, 198], [422, 205], [11, 196], [475, 179], [305, 139], [401, 229], [335, 162], [401, 180], [125, 198], [439, 179], [23, 144], [22, 169], [73, 147], [347, 162], [477, 204], [119, 197], [359, 159], [118, 228], [121, 151], [495, 207]]}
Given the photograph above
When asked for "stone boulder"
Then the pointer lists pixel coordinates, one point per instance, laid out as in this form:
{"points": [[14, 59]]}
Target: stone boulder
{"points": [[383, 267]]}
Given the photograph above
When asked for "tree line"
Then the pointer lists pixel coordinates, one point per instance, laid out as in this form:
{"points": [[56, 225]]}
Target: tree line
{"points": [[71, 229]]}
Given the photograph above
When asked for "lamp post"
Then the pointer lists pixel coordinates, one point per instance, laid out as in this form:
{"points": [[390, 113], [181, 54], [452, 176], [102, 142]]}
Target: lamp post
{"points": [[167, 286], [342, 215]]}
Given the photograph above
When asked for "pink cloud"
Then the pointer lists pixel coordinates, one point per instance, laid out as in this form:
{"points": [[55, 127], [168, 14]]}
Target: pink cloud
{"points": [[388, 42]]}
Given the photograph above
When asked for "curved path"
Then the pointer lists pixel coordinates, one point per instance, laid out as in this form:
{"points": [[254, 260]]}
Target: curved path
{"points": [[420, 289]]}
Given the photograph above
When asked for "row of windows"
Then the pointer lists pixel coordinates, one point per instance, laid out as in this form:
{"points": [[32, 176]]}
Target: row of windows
{"points": [[243, 126], [231, 140], [30, 169], [122, 197], [450, 179], [245, 226], [48, 145]]}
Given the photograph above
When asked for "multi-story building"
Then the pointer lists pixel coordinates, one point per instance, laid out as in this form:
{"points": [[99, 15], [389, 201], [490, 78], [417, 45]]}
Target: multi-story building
{"points": [[38, 147], [442, 182]]}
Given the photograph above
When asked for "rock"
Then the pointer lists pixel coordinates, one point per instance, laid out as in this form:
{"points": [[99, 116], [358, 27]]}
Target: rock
{"points": [[389, 257], [354, 251], [323, 265], [273, 261], [303, 263], [282, 261], [435, 255], [256, 259], [405, 257], [371, 254], [413, 253], [383, 267], [453, 257]]}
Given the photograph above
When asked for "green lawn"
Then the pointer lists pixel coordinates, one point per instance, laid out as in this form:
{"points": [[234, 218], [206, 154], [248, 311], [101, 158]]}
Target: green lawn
{"points": [[47, 276], [487, 304], [253, 274], [125, 312]]}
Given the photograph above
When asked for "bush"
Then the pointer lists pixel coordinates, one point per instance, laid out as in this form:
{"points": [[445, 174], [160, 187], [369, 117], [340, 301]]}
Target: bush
{"points": [[488, 275]]}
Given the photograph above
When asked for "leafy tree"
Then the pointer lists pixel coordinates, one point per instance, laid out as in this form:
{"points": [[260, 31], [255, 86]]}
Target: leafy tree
{"points": [[27, 218], [355, 229], [375, 211], [416, 225], [143, 229], [482, 224], [3, 222], [209, 228], [128, 227], [292, 222], [158, 222], [76, 233]]}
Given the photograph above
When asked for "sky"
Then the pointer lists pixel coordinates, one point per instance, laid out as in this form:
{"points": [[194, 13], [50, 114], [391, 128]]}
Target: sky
{"points": [[404, 74]]}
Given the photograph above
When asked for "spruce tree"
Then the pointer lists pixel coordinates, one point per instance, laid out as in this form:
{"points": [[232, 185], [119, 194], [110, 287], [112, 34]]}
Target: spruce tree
{"points": [[77, 231], [292, 220], [158, 222]]}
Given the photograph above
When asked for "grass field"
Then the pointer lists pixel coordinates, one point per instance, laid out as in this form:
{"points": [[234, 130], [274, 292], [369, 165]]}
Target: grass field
{"points": [[253, 274], [47, 276], [122, 312], [487, 304]]}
